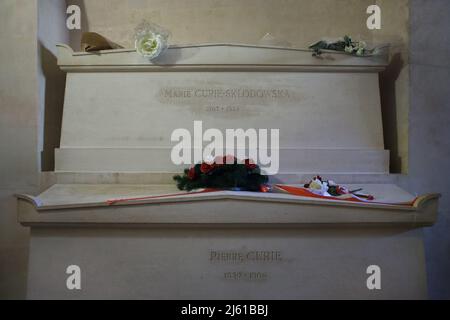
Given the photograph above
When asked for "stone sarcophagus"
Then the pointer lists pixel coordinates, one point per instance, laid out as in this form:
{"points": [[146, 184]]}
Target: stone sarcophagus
{"points": [[120, 111], [120, 115]]}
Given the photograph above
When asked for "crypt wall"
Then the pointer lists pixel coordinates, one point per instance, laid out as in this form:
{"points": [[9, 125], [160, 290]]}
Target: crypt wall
{"points": [[31, 93], [429, 146], [18, 136]]}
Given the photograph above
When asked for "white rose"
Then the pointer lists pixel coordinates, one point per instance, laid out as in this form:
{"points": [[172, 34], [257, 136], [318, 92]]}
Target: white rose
{"points": [[149, 45], [331, 183], [360, 52], [362, 45], [315, 184], [319, 187], [349, 49]]}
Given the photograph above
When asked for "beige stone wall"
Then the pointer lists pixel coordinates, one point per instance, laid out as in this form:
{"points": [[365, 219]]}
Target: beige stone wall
{"points": [[31, 98], [18, 136], [297, 22]]}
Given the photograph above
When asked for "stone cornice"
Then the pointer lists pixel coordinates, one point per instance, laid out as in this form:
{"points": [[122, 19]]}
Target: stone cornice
{"points": [[218, 57]]}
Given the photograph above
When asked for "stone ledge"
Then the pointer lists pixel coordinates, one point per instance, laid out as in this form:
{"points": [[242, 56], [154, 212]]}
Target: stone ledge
{"points": [[70, 205]]}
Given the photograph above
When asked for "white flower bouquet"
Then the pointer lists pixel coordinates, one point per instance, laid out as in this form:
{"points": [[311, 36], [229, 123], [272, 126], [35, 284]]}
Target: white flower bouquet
{"points": [[346, 45]]}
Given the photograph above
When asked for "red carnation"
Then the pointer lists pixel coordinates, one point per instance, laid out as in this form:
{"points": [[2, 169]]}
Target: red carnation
{"points": [[218, 160], [341, 190], [250, 164], [191, 174], [206, 167], [229, 160], [225, 160]]}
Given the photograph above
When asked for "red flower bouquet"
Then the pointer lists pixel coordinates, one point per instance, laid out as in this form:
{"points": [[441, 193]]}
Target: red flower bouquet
{"points": [[225, 173]]}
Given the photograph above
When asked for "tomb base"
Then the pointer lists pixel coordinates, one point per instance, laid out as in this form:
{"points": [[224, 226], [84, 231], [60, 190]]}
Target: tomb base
{"points": [[223, 245]]}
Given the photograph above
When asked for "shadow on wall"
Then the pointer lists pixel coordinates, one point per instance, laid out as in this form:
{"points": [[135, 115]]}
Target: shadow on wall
{"points": [[388, 79], [75, 35], [55, 82]]}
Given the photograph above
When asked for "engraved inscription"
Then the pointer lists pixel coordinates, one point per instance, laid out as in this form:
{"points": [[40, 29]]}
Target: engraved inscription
{"points": [[222, 109], [227, 100], [246, 276], [247, 260], [245, 256], [231, 93]]}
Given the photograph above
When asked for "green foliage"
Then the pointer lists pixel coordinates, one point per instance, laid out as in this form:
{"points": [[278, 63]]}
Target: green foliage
{"points": [[346, 45], [334, 191]]}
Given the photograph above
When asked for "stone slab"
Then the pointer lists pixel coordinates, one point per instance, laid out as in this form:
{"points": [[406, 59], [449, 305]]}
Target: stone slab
{"points": [[311, 110], [145, 178], [156, 160], [184, 264]]}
